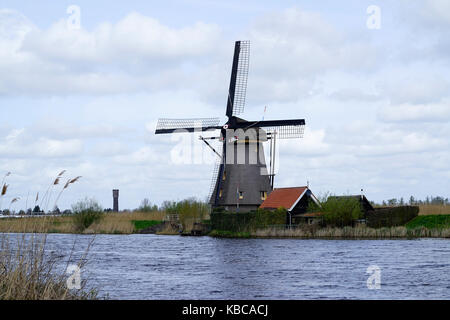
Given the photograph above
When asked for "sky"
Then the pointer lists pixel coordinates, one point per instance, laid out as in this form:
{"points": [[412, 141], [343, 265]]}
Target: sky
{"points": [[82, 89]]}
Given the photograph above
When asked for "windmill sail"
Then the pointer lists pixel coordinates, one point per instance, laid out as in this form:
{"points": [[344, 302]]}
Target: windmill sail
{"points": [[286, 132], [190, 125], [214, 179], [240, 178], [239, 75], [285, 129]]}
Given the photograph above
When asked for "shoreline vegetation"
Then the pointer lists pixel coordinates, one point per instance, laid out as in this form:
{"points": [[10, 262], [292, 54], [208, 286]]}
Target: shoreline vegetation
{"points": [[423, 226], [31, 272], [193, 217], [344, 233]]}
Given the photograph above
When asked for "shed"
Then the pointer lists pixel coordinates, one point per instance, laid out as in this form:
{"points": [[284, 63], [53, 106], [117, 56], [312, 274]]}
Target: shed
{"points": [[295, 200]]}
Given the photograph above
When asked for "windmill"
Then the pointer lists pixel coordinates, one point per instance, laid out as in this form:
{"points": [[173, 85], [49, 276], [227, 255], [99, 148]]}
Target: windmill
{"points": [[241, 180]]}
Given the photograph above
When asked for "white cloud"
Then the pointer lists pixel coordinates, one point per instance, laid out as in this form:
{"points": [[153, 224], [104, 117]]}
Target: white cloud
{"points": [[293, 47], [87, 101], [138, 53], [434, 112], [133, 39], [413, 84], [21, 144]]}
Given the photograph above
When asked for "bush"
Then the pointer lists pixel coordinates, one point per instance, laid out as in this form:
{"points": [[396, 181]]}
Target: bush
{"points": [[86, 212], [246, 221], [390, 217], [189, 210], [341, 211]]}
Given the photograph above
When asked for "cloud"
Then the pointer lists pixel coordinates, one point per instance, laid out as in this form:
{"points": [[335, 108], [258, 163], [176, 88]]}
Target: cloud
{"points": [[435, 112], [413, 84], [292, 48], [313, 143], [133, 39], [19, 143], [376, 106], [436, 12], [138, 53]]}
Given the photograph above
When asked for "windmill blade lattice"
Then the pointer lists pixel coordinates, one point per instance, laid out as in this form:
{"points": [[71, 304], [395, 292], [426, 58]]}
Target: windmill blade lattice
{"points": [[214, 178], [166, 125], [241, 78], [286, 132]]}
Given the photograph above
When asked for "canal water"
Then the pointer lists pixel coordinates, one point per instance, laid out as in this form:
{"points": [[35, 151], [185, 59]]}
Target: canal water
{"points": [[174, 267]]}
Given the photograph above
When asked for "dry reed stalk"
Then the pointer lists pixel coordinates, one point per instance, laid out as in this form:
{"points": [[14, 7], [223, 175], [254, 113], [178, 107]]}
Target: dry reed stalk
{"points": [[68, 183], [12, 202], [49, 191], [4, 190], [433, 209], [353, 233], [28, 273]]}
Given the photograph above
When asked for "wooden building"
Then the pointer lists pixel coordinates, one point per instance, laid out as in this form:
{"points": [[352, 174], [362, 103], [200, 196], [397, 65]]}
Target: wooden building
{"points": [[295, 200]]}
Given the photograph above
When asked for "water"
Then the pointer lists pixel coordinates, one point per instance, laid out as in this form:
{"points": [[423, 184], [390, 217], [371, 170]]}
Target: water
{"points": [[173, 267]]}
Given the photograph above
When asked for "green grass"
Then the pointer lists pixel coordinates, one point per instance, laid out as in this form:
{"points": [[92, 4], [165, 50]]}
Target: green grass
{"points": [[430, 222], [228, 234], [144, 224]]}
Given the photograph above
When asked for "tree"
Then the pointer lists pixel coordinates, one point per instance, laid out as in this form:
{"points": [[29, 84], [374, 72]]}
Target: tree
{"points": [[341, 211], [86, 212], [392, 202], [146, 206]]}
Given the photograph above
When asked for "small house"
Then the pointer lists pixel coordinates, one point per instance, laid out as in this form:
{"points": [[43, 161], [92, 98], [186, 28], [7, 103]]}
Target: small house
{"points": [[295, 200]]}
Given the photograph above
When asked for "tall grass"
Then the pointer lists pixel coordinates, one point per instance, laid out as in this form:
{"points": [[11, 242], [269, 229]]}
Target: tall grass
{"points": [[189, 210], [433, 209], [352, 233], [28, 272], [111, 223]]}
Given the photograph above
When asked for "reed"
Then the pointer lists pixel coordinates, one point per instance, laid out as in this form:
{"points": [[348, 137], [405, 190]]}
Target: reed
{"points": [[30, 273], [111, 223], [433, 209], [352, 233], [68, 183]]}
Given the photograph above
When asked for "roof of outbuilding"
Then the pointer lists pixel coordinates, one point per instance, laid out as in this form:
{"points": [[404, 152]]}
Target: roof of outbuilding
{"points": [[361, 198], [283, 197]]}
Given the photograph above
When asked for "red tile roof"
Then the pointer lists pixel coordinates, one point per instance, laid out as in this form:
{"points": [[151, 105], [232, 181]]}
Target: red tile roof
{"points": [[283, 197]]}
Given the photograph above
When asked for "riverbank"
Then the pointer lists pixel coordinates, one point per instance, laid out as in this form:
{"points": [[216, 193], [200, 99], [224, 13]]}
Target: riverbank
{"points": [[110, 223], [338, 233], [429, 226], [353, 233]]}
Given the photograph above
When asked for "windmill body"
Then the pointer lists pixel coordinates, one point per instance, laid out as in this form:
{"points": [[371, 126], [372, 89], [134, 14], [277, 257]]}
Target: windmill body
{"points": [[241, 181]]}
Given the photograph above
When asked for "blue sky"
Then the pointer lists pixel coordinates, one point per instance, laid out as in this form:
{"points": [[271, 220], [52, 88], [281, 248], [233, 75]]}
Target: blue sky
{"points": [[376, 101]]}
